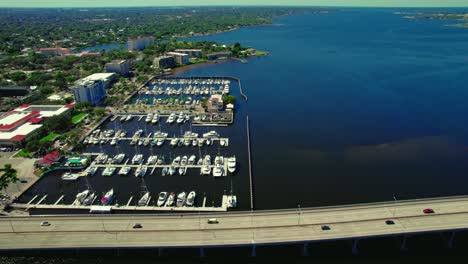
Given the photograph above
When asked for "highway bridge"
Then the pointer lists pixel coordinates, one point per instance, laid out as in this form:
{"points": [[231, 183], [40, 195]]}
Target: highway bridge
{"points": [[251, 228]]}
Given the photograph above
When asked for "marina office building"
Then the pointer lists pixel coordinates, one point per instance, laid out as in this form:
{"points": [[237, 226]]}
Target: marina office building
{"points": [[92, 89]]}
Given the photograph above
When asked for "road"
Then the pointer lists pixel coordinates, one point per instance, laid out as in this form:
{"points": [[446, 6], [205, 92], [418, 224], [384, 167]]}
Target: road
{"points": [[243, 228]]}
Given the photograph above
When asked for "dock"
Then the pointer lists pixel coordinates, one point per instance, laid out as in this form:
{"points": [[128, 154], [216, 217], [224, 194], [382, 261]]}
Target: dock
{"points": [[42, 199], [32, 200], [59, 200], [129, 201]]}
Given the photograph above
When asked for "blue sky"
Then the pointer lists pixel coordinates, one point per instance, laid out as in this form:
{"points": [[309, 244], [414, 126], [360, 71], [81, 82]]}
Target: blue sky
{"points": [[127, 3]]}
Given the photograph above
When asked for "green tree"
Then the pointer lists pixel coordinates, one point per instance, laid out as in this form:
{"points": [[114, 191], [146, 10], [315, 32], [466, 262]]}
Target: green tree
{"points": [[9, 176]]}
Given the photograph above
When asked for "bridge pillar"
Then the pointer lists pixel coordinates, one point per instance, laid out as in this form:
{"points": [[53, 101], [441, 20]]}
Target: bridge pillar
{"points": [[305, 250], [354, 247], [160, 252], [202, 252], [253, 252], [451, 239]]}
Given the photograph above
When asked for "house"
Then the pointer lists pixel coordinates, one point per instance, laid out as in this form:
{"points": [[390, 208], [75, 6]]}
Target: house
{"points": [[215, 103], [49, 159]]}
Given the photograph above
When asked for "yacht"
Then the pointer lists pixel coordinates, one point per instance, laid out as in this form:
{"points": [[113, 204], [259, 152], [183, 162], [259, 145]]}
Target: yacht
{"points": [[80, 197], [68, 176], [118, 158], [152, 160], [191, 160], [125, 170], [128, 118], [149, 117], [107, 199], [91, 171], [211, 134], [219, 160], [176, 161], [137, 159], [144, 200], [174, 142], [171, 118], [218, 171], [170, 199], [109, 171], [162, 198], [181, 199], [141, 171], [205, 170], [90, 199], [231, 162], [171, 170], [155, 119], [191, 198]]}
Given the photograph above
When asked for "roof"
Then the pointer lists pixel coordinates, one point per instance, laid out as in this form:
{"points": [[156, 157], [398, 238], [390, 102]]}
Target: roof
{"points": [[177, 54], [35, 120], [117, 62], [188, 50], [14, 119], [20, 132], [95, 77], [51, 157]]}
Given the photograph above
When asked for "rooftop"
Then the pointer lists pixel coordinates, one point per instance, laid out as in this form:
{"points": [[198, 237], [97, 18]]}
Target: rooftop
{"points": [[177, 54], [95, 77]]}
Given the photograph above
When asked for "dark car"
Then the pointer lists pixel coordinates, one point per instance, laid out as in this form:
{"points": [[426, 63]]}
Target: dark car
{"points": [[325, 227], [428, 211], [137, 226], [389, 222], [45, 223]]}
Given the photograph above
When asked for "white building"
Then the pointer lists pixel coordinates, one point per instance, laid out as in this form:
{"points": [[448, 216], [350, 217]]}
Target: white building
{"points": [[193, 53], [92, 89], [121, 67], [180, 58]]}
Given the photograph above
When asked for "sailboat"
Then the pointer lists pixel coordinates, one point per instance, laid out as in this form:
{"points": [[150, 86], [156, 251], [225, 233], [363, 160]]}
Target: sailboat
{"points": [[191, 198], [144, 199]]}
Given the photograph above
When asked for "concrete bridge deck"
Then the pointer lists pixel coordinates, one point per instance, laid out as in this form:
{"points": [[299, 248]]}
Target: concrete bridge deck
{"points": [[242, 228]]}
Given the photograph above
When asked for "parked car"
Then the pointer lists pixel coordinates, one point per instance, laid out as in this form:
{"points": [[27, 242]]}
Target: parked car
{"points": [[389, 222], [213, 221], [45, 223], [325, 228], [137, 226], [428, 211]]}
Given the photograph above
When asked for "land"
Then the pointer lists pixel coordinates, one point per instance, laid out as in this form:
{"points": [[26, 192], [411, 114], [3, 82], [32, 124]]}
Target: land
{"points": [[462, 17]]}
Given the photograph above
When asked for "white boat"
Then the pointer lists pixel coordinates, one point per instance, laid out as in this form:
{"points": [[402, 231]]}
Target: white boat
{"points": [[113, 142], [187, 142], [182, 170], [91, 171], [149, 117], [181, 199], [137, 159], [232, 201], [90, 199], [118, 158], [207, 160], [171, 118], [102, 159], [123, 118], [170, 199], [164, 171], [200, 161], [109, 171], [125, 170], [174, 142], [80, 197], [171, 171], [191, 160], [68, 176], [128, 118], [218, 171], [107, 199], [222, 142], [162, 197], [211, 134], [194, 142], [180, 120], [144, 200], [200, 142], [231, 162], [160, 142], [191, 198], [123, 134], [152, 160], [219, 160], [205, 170], [176, 161], [141, 171], [155, 119], [184, 161]]}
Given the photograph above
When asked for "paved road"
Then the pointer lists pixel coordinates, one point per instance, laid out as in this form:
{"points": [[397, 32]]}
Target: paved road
{"points": [[233, 228]]}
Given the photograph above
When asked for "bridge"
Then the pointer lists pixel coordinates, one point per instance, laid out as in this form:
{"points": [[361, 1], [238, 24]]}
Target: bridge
{"points": [[248, 228]]}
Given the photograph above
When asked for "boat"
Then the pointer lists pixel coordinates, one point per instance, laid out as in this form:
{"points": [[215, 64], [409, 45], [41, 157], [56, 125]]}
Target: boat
{"points": [[187, 142], [68, 176], [191, 198], [222, 142], [218, 171], [118, 158], [102, 158], [90, 199], [194, 142], [80, 197], [155, 119], [109, 171], [182, 170], [181, 199], [231, 162], [200, 161], [232, 201], [205, 170], [191, 160], [91, 171], [123, 134], [149, 117], [165, 171], [184, 161], [200, 142], [176, 161], [171, 118], [137, 159], [174, 142], [107, 199], [128, 118], [152, 160], [113, 142], [170, 199], [208, 141], [141, 171], [160, 142], [171, 170], [162, 197], [211, 134], [207, 160], [123, 118], [144, 200], [219, 160], [125, 170]]}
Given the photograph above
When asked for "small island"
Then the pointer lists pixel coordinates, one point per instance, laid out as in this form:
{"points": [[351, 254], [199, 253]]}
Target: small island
{"points": [[460, 17]]}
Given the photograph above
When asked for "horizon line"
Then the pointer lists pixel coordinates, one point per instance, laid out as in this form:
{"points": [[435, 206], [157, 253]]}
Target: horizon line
{"points": [[205, 6]]}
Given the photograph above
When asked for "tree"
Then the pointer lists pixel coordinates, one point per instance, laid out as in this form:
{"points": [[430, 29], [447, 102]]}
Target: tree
{"points": [[9, 176], [57, 123]]}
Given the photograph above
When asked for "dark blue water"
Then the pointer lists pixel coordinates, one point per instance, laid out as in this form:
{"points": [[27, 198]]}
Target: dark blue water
{"points": [[354, 106]]}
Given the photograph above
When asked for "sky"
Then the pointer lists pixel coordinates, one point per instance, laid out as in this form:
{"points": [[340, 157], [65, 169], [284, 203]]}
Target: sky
{"points": [[128, 3]]}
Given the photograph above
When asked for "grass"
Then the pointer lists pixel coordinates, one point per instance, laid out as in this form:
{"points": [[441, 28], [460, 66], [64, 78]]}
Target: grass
{"points": [[260, 53], [199, 60], [77, 117], [48, 138], [23, 154]]}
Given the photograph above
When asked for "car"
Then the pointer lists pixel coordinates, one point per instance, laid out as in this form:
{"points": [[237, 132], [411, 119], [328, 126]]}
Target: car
{"points": [[213, 221], [428, 211], [325, 228], [23, 181], [45, 223], [389, 222], [137, 226]]}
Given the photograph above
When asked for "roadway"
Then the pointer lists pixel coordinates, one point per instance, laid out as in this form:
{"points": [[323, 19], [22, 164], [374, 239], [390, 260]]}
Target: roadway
{"points": [[242, 228]]}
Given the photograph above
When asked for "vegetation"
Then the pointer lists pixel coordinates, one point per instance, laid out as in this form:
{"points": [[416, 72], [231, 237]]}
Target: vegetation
{"points": [[49, 137], [8, 176], [229, 99], [23, 154], [77, 117]]}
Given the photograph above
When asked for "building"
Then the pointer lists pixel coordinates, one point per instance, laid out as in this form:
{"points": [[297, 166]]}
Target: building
{"points": [[49, 159], [58, 51], [20, 124], [92, 89], [180, 58], [193, 53], [215, 103], [219, 55], [139, 43], [121, 67], [164, 62]]}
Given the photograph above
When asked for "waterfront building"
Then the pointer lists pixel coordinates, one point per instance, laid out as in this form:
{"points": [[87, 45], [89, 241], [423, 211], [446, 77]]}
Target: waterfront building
{"points": [[193, 53], [219, 55], [215, 103], [20, 124], [49, 159], [58, 51], [92, 89], [139, 43], [121, 67], [180, 58], [163, 62]]}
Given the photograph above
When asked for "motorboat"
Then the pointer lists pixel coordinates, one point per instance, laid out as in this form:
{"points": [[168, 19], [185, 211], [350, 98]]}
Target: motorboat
{"points": [[232, 201], [182, 170], [68, 176], [102, 158], [171, 170], [181, 199], [162, 197], [165, 171], [187, 142], [160, 142], [80, 197], [191, 160], [184, 161], [194, 142], [170, 199], [125, 170], [144, 200], [200, 161], [137, 159], [141, 171], [218, 171], [176, 161], [191, 198], [109, 171], [180, 119], [152, 160], [219, 160], [205, 170], [155, 119], [211, 134], [90, 199], [174, 142], [207, 160], [171, 118], [231, 162], [200, 142], [107, 199], [128, 118], [118, 158], [91, 171], [149, 117], [123, 118], [222, 142]]}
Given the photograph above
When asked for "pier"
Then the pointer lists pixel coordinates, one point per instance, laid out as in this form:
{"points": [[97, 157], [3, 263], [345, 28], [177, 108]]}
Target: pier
{"points": [[59, 200]]}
